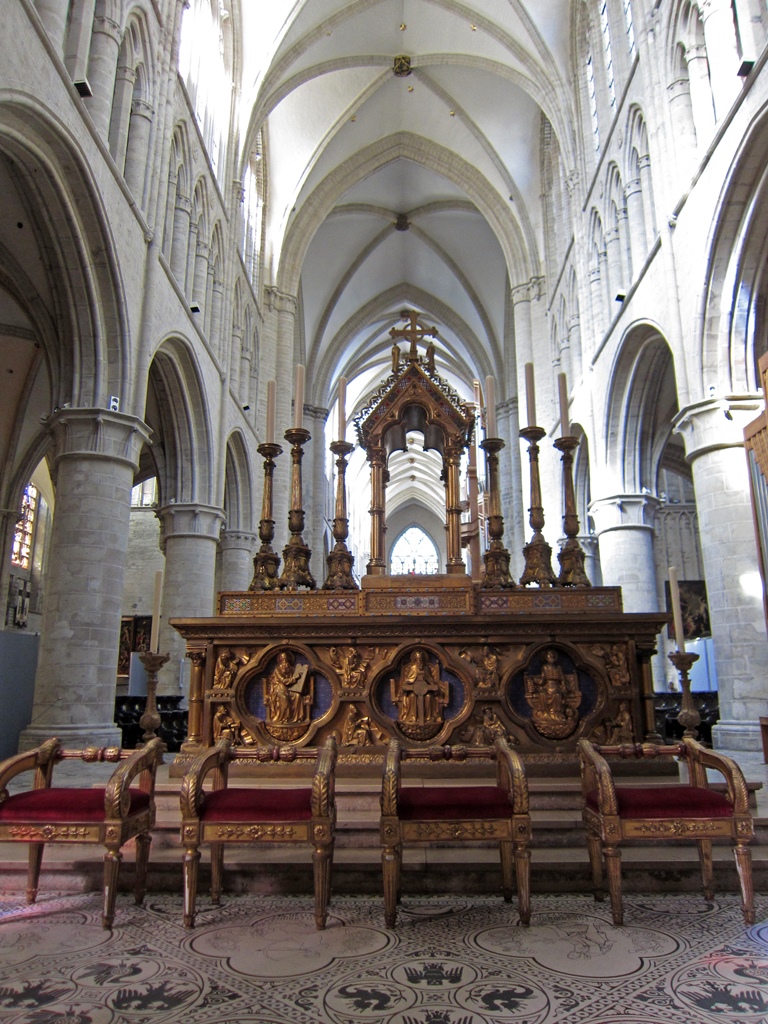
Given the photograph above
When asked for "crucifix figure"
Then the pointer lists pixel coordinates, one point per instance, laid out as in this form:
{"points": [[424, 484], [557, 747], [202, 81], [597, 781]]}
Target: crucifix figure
{"points": [[412, 333]]}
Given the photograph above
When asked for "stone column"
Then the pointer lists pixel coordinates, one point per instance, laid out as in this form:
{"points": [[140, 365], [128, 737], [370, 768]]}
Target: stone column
{"points": [[120, 114], [78, 44], [714, 443], [283, 308], [102, 71], [53, 14], [624, 527], [139, 132], [722, 55], [95, 455], [236, 551], [702, 105], [190, 538]]}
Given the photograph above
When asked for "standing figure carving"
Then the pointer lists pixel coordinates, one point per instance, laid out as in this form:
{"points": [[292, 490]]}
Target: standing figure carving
{"points": [[288, 696], [421, 696], [554, 697], [350, 665]]}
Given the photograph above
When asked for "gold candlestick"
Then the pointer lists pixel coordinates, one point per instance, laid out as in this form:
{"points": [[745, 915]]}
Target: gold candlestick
{"points": [[340, 560], [496, 558], [571, 555], [150, 720], [538, 554], [689, 717], [296, 554], [266, 561]]}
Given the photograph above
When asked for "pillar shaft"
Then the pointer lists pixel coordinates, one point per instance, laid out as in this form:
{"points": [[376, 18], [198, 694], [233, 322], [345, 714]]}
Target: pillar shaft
{"points": [[95, 455]]}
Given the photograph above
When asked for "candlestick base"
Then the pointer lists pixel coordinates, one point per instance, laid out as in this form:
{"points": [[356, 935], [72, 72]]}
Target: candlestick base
{"points": [[689, 717], [538, 563], [150, 720], [571, 559]]}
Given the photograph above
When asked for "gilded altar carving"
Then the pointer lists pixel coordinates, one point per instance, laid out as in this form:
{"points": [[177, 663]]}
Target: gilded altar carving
{"points": [[360, 730], [554, 698], [618, 729], [288, 694], [420, 696], [485, 661], [351, 665], [228, 664], [615, 661], [483, 728]]}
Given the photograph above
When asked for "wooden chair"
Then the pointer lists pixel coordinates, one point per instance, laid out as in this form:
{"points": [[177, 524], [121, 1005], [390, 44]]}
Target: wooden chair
{"points": [[457, 813], [636, 813], [109, 815], [304, 814]]}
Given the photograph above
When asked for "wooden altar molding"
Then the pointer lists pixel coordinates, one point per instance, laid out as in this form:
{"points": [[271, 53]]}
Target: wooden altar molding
{"points": [[433, 661]]}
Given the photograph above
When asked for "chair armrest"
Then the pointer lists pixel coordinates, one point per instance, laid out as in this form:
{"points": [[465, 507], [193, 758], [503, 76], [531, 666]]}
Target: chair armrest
{"points": [[596, 776], [142, 762], [511, 775], [323, 782], [41, 759], [390, 783], [700, 759], [191, 793]]}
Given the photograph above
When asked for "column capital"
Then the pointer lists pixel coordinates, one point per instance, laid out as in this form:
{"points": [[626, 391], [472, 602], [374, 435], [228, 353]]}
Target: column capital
{"points": [[716, 423], [190, 519], [528, 291], [624, 512], [98, 434], [238, 540], [281, 302]]}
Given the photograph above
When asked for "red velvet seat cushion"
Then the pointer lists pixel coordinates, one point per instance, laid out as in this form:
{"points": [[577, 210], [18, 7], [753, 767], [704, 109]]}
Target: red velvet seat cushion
{"points": [[257, 805], [668, 802], [438, 803], [64, 805]]}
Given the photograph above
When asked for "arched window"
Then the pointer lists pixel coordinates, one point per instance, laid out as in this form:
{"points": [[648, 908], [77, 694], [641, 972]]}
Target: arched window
{"points": [[414, 553]]}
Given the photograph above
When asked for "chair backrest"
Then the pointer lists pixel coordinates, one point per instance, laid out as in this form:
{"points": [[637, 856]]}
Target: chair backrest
{"points": [[510, 771]]}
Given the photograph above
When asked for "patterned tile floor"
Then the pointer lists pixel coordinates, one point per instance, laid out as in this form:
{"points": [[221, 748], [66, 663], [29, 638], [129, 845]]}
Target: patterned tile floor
{"points": [[450, 960]]}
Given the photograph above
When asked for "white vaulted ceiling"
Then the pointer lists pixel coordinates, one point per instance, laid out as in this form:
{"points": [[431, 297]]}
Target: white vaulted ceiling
{"points": [[387, 193]]}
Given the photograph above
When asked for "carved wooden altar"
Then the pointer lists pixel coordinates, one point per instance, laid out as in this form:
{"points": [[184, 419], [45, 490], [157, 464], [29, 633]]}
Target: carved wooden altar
{"points": [[431, 660]]}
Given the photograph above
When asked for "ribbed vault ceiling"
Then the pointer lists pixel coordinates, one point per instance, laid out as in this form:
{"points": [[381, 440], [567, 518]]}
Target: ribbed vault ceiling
{"points": [[418, 191]]}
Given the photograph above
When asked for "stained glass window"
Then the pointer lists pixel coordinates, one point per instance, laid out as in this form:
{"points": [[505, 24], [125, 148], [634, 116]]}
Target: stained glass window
{"points": [[414, 553], [22, 538]]}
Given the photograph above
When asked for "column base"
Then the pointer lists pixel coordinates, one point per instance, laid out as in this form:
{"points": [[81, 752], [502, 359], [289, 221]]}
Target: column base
{"points": [[731, 735], [73, 737]]}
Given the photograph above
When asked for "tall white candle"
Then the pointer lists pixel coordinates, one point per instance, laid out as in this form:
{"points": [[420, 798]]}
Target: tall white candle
{"points": [[270, 433], [490, 407], [565, 423], [677, 614], [154, 635], [298, 398], [530, 395], [342, 408]]}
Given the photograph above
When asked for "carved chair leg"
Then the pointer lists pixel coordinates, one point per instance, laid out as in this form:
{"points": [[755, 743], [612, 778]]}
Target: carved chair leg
{"points": [[217, 871], [112, 859], [523, 872], [390, 868], [143, 843], [705, 860], [35, 859], [507, 868], [743, 856], [321, 859], [191, 866], [612, 856], [596, 864]]}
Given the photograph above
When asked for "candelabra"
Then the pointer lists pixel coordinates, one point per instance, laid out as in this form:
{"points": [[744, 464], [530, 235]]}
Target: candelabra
{"points": [[266, 561], [570, 556], [150, 720], [296, 572], [689, 717], [340, 560], [496, 557], [538, 554]]}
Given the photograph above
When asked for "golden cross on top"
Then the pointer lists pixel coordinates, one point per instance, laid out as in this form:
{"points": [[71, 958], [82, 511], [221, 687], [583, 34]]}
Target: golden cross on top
{"points": [[412, 333]]}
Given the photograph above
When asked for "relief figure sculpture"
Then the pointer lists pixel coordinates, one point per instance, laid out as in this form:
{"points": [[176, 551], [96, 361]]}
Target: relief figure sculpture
{"points": [[288, 695], [350, 665], [554, 697], [420, 696]]}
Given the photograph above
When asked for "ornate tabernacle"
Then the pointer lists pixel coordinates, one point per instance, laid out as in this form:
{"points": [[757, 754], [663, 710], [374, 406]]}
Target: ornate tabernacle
{"points": [[429, 660]]}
